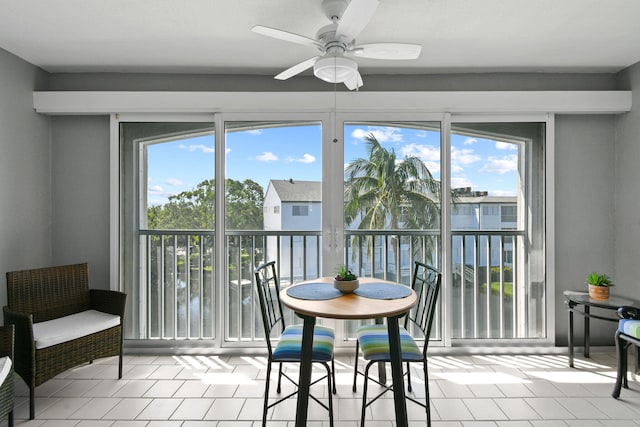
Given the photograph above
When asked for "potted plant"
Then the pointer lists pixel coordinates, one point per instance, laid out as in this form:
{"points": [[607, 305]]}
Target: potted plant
{"points": [[345, 280], [599, 285]]}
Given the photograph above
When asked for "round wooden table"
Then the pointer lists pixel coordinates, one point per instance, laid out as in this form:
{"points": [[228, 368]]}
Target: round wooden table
{"points": [[350, 306]]}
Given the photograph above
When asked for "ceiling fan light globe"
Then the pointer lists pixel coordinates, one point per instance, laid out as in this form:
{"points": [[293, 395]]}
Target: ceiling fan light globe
{"points": [[335, 69]]}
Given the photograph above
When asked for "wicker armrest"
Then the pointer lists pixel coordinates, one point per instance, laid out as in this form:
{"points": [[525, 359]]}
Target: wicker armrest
{"points": [[107, 301], [629, 313], [23, 322], [6, 341], [24, 345]]}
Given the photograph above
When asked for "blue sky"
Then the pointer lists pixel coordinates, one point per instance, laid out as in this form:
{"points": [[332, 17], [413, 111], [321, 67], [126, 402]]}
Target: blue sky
{"points": [[295, 152]]}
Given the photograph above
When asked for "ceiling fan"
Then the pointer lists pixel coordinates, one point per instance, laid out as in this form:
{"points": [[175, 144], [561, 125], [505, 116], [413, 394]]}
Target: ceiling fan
{"points": [[336, 43]]}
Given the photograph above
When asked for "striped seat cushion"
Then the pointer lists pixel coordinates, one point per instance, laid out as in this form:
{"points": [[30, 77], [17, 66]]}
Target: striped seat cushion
{"points": [[630, 327], [290, 344], [374, 343]]}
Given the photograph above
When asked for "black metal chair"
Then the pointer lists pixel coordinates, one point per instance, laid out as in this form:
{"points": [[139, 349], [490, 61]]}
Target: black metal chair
{"points": [[627, 334], [289, 346], [373, 340]]}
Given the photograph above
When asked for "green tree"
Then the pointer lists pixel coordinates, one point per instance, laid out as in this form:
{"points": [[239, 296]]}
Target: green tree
{"points": [[244, 205], [195, 209], [382, 192]]}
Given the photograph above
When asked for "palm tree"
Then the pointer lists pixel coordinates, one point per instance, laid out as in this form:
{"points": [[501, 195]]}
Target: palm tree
{"points": [[382, 192]]}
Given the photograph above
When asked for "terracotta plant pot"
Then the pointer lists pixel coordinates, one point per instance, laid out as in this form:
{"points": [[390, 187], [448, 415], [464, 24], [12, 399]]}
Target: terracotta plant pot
{"points": [[599, 292]]}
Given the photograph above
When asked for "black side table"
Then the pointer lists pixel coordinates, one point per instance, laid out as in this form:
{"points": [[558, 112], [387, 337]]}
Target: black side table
{"points": [[575, 299]]}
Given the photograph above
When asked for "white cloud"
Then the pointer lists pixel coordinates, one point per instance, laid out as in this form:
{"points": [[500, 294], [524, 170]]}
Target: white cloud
{"points": [[430, 155], [470, 141], [195, 147], [306, 158], [382, 134], [156, 189], [461, 158], [174, 182], [254, 132], [267, 156], [423, 152], [500, 165], [505, 146], [465, 156], [434, 167]]}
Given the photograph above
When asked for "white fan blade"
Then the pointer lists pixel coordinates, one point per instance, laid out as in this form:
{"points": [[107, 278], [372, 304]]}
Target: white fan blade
{"points": [[355, 82], [355, 17], [387, 51], [297, 69], [286, 36]]}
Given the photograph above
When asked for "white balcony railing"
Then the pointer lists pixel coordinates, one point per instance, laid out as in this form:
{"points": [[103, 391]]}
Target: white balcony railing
{"points": [[489, 298]]}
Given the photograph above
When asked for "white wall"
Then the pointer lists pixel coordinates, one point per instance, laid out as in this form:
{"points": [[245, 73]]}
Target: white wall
{"points": [[25, 191], [626, 169], [585, 180], [80, 185], [593, 173], [272, 220]]}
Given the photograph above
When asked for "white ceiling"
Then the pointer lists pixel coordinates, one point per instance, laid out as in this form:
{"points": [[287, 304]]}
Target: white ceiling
{"points": [[214, 36]]}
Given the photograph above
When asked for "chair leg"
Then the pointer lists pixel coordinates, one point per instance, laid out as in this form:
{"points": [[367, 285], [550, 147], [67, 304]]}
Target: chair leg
{"points": [[364, 392], [333, 375], [408, 377], [331, 388], [426, 392], [621, 351], [625, 351], [279, 388], [120, 366], [266, 395], [355, 366], [32, 402]]}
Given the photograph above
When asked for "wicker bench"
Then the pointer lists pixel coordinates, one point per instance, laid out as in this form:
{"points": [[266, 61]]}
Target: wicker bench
{"points": [[60, 323], [6, 373]]}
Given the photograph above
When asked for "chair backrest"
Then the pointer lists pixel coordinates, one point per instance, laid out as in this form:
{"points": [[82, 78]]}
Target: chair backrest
{"points": [[426, 284], [49, 292], [268, 290]]}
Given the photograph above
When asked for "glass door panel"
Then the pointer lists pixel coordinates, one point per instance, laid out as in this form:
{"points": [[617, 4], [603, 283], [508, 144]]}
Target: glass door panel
{"points": [[273, 206], [497, 230], [168, 229], [392, 191]]}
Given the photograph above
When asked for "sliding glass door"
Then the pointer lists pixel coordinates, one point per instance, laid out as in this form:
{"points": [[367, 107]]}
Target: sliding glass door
{"points": [[203, 202]]}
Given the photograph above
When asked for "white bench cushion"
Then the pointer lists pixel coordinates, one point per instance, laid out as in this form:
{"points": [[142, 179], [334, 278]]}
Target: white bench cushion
{"points": [[5, 367], [67, 328]]}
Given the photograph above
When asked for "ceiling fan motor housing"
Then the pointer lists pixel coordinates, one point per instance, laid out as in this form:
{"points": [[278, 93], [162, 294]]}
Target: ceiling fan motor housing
{"points": [[332, 45]]}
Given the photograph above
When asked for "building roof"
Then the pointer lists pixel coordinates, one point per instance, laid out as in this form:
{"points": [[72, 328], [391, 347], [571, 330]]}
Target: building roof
{"points": [[297, 191], [486, 199]]}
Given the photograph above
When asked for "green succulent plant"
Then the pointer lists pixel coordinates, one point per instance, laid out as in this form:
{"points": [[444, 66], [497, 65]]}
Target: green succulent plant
{"points": [[345, 274], [596, 279]]}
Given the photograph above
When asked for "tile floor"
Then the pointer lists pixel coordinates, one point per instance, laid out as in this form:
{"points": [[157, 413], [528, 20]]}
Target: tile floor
{"points": [[226, 391]]}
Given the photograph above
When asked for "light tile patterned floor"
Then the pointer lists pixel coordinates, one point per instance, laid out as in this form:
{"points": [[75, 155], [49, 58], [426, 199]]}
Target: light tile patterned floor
{"points": [[226, 391]]}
